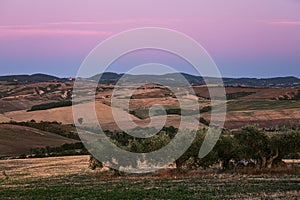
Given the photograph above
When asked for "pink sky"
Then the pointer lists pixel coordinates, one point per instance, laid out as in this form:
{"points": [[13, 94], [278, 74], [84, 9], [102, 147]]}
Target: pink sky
{"points": [[245, 38]]}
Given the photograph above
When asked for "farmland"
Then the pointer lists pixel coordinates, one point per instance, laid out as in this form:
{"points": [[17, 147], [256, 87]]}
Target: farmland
{"points": [[69, 178], [17, 140], [38, 122], [50, 101]]}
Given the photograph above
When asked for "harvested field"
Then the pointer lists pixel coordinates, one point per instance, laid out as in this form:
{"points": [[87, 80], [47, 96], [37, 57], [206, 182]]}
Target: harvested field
{"points": [[69, 178], [17, 140]]}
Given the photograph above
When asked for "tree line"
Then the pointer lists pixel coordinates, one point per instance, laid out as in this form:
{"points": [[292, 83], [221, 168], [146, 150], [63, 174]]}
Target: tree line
{"points": [[264, 149], [51, 105], [68, 149]]}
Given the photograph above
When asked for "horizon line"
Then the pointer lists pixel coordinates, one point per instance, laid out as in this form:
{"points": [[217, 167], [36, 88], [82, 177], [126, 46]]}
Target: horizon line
{"points": [[120, 73]]}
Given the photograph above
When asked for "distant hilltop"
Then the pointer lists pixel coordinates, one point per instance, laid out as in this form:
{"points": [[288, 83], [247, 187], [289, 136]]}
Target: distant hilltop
{"points": [[34, 78], [113, 78]]}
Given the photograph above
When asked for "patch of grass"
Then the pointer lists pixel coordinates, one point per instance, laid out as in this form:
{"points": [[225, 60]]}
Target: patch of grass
{"points": [[138, 187], [170, 110], [262, 105], [238, 95], [297, 96]]}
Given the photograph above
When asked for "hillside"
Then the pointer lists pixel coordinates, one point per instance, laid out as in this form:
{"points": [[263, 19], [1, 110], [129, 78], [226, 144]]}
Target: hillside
{"points": [[24, 96], [16, 140], [243, 104], [104, 115], [4, 119], [29, 78], [65, 115], [113, 78], [50, 101]]}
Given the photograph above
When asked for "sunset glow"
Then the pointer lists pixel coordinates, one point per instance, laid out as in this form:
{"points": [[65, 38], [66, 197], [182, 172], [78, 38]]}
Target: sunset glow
{"points": [[245, 38]]}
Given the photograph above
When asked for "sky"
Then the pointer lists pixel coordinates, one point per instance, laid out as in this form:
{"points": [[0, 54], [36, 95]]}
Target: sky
{"points": [[249, 38]]}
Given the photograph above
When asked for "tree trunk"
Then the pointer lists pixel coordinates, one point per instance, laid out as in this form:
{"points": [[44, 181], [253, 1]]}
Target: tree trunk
{"points": [[263, 162], [225, 164], [272, 158], [178, 165]]}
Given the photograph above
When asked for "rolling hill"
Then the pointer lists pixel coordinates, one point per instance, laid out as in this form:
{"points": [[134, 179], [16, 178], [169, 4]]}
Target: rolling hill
{"points": [[29, 78], [113, 78], [17, 140], [260, 104]]}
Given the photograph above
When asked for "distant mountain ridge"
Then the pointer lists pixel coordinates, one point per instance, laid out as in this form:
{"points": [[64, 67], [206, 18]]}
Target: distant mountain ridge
{"points": [[29, 78], [113, 78], [288, 81]]}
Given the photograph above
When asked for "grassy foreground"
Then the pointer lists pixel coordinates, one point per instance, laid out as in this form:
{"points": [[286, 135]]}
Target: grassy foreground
{"points": [[90, 186], [68, 178]]}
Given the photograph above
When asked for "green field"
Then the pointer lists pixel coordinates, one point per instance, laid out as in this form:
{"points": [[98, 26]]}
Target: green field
{"points": [[262, 105], [91, 186]]}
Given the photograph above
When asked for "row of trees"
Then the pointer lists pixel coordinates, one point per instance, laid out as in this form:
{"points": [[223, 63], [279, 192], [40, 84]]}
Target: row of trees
{"points": [[68, 149], [264, 148], [144, 113], [52, 127], [51, 105]]}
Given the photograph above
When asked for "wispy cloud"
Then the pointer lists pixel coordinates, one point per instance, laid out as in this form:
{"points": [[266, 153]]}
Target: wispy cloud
{"points": [[64, 28], [281, 22], [83, 23], [286, 22], [117, 22], [11, 32]]}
